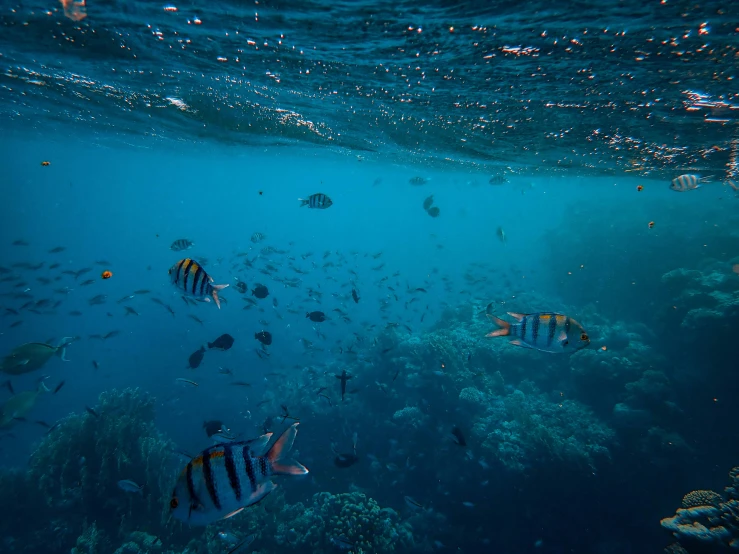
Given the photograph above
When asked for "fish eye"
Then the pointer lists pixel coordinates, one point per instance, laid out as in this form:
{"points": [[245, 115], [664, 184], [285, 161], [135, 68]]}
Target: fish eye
{"points": [[584, 336], [174, 503]]}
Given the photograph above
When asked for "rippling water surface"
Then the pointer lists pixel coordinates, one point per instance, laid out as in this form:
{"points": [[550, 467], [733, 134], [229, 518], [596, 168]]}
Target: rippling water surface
{"points": [[596, 86]]}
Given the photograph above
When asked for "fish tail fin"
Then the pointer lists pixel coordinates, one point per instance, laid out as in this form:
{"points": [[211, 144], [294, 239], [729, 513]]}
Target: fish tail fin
{"points": [[504, 327], [216, 288], [281, 448], [62, 348], [303, 202]]}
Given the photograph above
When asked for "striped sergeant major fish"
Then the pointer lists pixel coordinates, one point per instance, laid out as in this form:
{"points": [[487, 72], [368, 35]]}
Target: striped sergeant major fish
{"points": [[687, 182], [181, 244], [547, 332], [318, 200], [226, 478], [188, 276]]}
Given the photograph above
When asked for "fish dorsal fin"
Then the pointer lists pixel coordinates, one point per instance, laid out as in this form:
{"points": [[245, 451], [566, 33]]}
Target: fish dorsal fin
{"points": [[258, 446], [517, 316]]}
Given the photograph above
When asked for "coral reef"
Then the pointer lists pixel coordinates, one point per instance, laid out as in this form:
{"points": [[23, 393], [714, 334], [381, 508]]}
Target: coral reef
{"points": [[702, 299], [525, 427], [707, 518], [410, 417], [79, 464], [350, 517]]}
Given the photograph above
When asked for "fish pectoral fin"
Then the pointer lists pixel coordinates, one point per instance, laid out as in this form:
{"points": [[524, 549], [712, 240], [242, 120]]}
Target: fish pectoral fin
{"points": [[518, 342], [233, 513], [262, 490]]}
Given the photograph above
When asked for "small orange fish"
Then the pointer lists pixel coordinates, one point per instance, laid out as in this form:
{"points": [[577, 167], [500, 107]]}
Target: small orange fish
{"points": [[640, 188], [74, 9], [604, 348], [106, 274], [45, 163], [651, 224]]}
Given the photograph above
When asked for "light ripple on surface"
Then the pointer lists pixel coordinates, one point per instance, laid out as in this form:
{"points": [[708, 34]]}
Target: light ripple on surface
{"points": [[604, 87]]}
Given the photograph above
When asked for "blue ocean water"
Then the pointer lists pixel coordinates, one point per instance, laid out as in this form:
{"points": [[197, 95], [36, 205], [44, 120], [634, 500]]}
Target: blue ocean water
{"points": [[483, 159]]}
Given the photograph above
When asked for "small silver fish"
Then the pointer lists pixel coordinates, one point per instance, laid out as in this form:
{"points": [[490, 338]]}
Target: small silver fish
{"points": [[130, 486], [686, 182]]}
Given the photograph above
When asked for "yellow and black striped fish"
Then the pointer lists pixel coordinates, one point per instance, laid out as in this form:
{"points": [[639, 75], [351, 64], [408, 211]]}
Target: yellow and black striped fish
{"points": [[189, 276], [547, 332], [226, 478]]}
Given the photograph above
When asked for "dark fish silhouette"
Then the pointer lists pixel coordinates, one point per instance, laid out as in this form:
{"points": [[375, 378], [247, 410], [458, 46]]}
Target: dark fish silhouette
{"points": [[260, 291], [458, 437], [344, 377], [355, 296], [224, 342], [212, 427], [196, 358], [317, 317], [347, 459], [265, 337]]}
